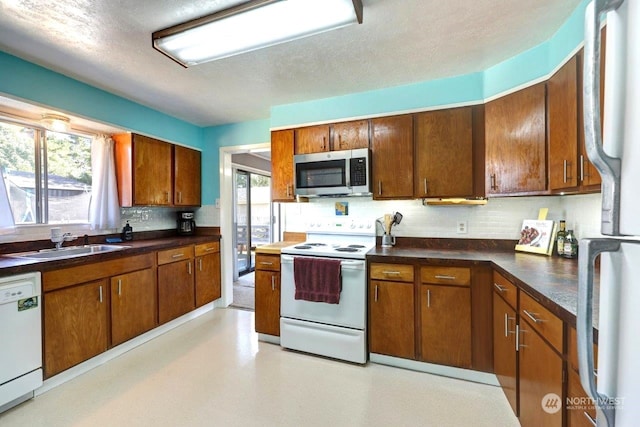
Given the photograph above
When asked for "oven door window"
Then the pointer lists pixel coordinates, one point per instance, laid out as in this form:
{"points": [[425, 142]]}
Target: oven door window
{"points": [[328, 173]]}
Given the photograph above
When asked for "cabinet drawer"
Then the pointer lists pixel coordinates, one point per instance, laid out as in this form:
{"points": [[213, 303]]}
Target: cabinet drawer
{"points": [[505, 289], [268, 262], [173, 255], [542, 320], [207, 248], [446, 275], [395, 272]]}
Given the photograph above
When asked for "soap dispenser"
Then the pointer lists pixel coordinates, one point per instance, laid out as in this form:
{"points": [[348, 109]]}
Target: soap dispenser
{"points": [[127, 232]]}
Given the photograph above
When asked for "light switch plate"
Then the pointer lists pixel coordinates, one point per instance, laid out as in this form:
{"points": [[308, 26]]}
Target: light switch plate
{"points": [[461, 227]]}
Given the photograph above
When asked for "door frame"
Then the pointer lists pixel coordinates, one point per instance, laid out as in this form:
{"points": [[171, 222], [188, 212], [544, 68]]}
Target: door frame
{"points": [[226, 216]]}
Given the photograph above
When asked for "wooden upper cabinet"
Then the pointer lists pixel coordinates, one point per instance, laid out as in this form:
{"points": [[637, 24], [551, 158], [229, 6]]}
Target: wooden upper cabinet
{"points": [[392, 157], [444, 153], [515, 138], [562, 108], [312, 139], [351, 135], [143, 170], [282, 186], [187, 176]]}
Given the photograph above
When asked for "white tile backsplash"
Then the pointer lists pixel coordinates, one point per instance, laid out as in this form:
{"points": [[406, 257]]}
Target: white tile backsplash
{"points": [[498, 219]]}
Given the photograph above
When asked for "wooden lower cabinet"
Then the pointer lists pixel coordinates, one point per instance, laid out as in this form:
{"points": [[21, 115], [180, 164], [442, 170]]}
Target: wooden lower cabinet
{"points": [[208, 284], [176, 294], [580, 410], [76, 325], [267, 313], [392, 319], [445, 325], [134, 298], [540, 373], [504, 349]]}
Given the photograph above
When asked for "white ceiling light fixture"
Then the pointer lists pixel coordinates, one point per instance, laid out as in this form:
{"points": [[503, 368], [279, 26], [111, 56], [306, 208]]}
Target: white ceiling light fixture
{"points": [[55, 122], [253, 25]]}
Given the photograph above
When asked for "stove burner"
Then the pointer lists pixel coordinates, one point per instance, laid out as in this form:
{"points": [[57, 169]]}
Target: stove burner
{"points": [[348, 249], [316, 244], [356, 246], [303, 247]]}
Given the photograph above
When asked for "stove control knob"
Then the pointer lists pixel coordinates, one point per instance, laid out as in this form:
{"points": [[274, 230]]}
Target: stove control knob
{"points": [[353, 225]]}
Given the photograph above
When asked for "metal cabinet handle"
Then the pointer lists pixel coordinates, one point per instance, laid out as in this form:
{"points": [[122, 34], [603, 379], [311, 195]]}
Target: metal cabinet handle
{"points": [[179, 196], [375, 294], [100, 294], [177, 255], [564, 175], [339, 141], [426, 190], [266, 263], [506, 325], [324, 142], [200, 263], [591, 420], [273, 283], [589, 250], [582, 168], [391, 273], [492, 183], [500, 288], [189, 267], [532, 316], [119, 287], [609, 167], [444, 277], [166, 195], [518, 332], [210, 249], [428, 297], [379, 188]]}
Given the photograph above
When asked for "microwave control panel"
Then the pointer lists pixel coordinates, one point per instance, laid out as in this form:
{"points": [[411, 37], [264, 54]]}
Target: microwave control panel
{"points": [[358, 174]]}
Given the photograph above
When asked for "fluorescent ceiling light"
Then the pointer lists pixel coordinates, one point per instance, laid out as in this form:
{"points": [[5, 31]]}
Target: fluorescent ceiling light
{"points": [[253, 25], [55, 122]]}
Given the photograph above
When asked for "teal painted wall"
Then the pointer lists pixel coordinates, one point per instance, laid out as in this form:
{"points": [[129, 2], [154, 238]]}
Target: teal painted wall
{"points": [[30, 82], [236, 134]]}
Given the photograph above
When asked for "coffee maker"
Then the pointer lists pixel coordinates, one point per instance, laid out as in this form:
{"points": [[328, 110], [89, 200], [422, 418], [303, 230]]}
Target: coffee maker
{"points": [[186, 223]]}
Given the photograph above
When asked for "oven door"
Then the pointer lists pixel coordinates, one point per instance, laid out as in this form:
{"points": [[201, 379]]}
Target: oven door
{"points": [[349, 313]]}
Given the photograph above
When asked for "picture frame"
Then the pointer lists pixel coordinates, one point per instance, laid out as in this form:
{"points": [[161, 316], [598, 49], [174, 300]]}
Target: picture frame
{"points": [[537, 236]]}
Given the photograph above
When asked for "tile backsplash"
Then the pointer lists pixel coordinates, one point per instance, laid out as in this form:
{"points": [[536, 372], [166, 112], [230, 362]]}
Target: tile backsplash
{"points": [[498, 219]]}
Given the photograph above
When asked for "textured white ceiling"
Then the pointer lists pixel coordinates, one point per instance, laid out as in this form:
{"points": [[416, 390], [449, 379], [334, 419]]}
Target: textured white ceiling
{"points": [[107, 43]]}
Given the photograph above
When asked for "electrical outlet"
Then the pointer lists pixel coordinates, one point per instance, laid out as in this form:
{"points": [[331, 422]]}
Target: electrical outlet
{"points": [[218, 203], [461, 227]]}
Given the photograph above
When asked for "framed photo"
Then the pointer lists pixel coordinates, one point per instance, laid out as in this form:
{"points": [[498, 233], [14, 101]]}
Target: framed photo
{"points": [[537, 236]]}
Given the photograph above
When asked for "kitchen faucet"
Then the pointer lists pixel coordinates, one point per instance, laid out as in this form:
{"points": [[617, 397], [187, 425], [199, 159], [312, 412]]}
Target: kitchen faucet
{"points": [[59, 239]]}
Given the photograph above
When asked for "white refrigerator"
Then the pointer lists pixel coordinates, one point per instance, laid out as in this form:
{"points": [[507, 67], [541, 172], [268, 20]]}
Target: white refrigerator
{"points": [[615, 388]]}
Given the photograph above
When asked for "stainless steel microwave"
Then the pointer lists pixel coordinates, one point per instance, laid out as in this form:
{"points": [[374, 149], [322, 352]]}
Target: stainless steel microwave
{"points": [[333, 173]]}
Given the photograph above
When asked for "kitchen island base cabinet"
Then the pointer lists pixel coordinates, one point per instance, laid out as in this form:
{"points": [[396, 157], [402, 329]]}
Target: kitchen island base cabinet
{"points": [[76, 325], [391, 319], [133, 305]]}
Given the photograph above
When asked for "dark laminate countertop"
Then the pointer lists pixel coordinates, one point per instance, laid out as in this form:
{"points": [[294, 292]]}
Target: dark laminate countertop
{"points": [[10, 266], [550, 279]]}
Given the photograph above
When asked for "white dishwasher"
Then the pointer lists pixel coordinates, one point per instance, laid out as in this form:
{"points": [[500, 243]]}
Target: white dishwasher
{"points": [[20, 338]]}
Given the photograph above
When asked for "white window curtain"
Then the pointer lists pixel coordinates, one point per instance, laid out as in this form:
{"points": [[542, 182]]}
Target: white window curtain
{"points": [[104, 211], [6, 214]]}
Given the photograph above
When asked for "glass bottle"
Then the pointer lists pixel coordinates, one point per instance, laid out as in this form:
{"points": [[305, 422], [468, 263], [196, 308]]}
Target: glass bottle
{"points": [[560, 238], [570, 245]]}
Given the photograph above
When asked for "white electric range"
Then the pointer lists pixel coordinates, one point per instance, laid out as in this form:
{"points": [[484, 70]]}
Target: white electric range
{"points": [[332, 330]]}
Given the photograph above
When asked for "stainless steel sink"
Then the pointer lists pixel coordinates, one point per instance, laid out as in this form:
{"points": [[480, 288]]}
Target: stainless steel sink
{"points": [[68, 252]]}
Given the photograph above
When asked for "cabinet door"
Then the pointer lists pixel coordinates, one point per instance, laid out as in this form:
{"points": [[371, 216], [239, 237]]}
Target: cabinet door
{"points": [[580, 409], [515, 140], [540, 374], [175, 290], [392, 152], [267, 312], [208, 284], [445, 325], [562, 106], [133, 305], [75, 325], [186, 166], [351, 135], [153, 183], [504, 350], [282, 189], [444, 153], [312, 139], [391, 319]]}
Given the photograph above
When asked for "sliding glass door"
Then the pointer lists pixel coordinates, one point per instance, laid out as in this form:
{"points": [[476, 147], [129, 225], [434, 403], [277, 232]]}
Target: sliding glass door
{"points": [[252, 216]]}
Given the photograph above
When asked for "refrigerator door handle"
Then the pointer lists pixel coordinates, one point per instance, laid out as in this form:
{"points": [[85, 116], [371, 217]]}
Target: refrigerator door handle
{"points": [[589, 250], [609, 167]]}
